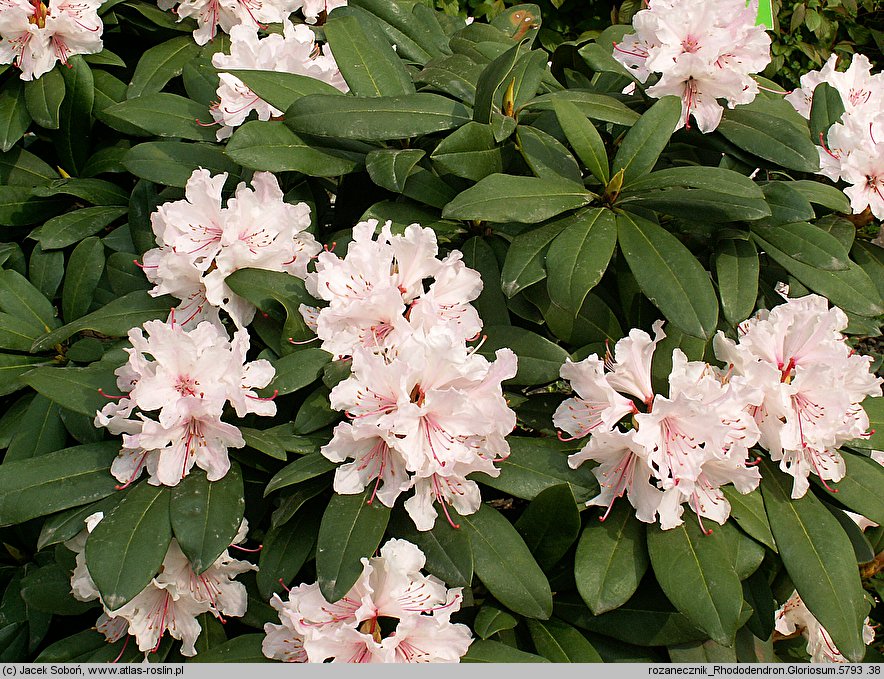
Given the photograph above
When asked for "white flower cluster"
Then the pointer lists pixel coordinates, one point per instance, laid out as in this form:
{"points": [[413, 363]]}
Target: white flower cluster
{"points": [[253, 14], [34, 37], [792, 385], [188, 377], [813, 385], [360, 627], [201, 243], [425, 410], [295, 51], [853, 149], [703, 51], [793, 617], [173, 599]]}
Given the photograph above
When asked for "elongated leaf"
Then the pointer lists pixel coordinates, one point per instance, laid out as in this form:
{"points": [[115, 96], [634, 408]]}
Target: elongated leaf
{"points": [[206, 515], [488, 651], [72, 227], [491, 304], [579, 257], [115, 319], [84, 270], [550, 524], [125, 550], [713, 179], [506, 198], [350, 529], [172, 162], [696, 573], [43, 97], [95, 191], [302, 469], [490, 620], [559, 642], [273, 147], [748, 511], [281, 90], [56, 481], [643, 143], [736, 270], [770, 138], [160, 64], [819, 559], [448, 550], [496, 76], [22, 168], [19, 206], [505, 565], [611, 559], [584, 138], [826, 110], [470, 152], [787, 205], [371, 68], [245, 648], [860, 489], [40, 431], [13, 366], [276, 294], [595, 106], [389, 168], [298, 370], [700, 204], [21, 299], [807, 244], [669, 275], [285, 550], [546, 156], [539, 359], [375, 118], [48, 589], [67, 524], [162, 114], [14, 118], [75, 117], [534, 465], [524, 263], [852, 290], [74, 388]]}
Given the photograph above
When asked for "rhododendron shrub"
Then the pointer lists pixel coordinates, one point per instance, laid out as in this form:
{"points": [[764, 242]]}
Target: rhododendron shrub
{"points": [[351, 331]]}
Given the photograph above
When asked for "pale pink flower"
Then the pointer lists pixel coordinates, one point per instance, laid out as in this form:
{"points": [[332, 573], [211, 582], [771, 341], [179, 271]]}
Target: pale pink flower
{"points": [[391, 587], [211, 15], [311, 9], [34, 37], [295, 51], [794, 617]]}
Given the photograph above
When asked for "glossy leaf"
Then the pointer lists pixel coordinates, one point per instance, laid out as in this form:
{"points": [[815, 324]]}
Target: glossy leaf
{"points": [[559, 642], [43, 97], [539, 359], [550, 524], [642, 145], [583, 138], [770, 138], [351, 529]]}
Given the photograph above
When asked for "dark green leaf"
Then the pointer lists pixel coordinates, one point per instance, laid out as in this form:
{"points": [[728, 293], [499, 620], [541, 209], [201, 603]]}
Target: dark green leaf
{"points": [[14, 118], [304, 468], [84, 269], [490, 620], [669, 275], [351, 529], [74, 388], [491, 305], [448, 550], [162, 114], [807, 244], [584, 138], [281, 90], [595, 106], [375, 118], [550, 524], [40, 431], [43, 97], [206, 515], [469, 152], [72, 141], [748, 511], [56, 481], [72, 227], [125, 550], [736, 270], [160, 64], [389, 168], [699, 204], [22, 168], [20, 207], [525, 258], [273, 147], [539, 359], [48, 589], [559, 642], [506, 198], [245, 648], [285, 550], [370, 67], [172, 162], [487, 651], [492, 83], [505, 565], [67, 524], [298, 370], [819, 559], [611, 559], [643, 143], [546, 156], [95, 191], [696, 573], [826, 110], [860, 489], [770, 138]]}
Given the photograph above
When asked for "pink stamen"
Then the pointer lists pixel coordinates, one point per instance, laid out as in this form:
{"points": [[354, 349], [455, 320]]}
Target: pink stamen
{"points": [[135, 474], [109, 396], [142, 266], [247, 549], [312, 339], [268, 398], [123, 650], [284, 586]]}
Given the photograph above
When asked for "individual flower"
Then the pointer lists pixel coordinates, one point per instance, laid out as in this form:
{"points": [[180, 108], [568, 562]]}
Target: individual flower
{"points": [[313, 9], [171, 601], [812, 385], [852, 149], [384, 289], [202, 242], [680, 449], [360, 627], [212, 14], [185, 378], [34, 37], [423, 415], [704, 52], [295, 51], [793, 617]]}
